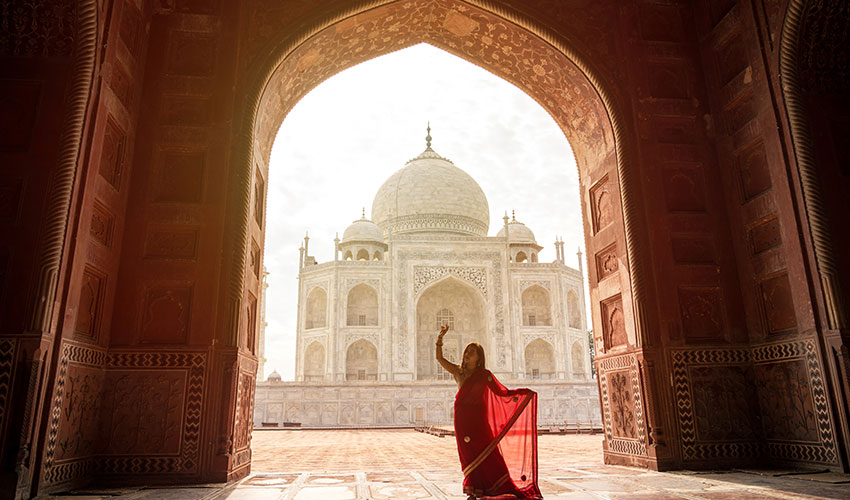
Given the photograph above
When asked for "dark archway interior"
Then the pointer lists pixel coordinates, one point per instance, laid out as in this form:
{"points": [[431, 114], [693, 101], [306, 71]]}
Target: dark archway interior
{"points": [[134, 152]]}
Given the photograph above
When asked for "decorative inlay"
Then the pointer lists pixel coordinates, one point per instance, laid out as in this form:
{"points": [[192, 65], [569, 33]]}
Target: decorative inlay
{"points": [[424, 275], [166, 315], [148, 378], [622, 405], [37, 28], [523, 284], [402, 341]]}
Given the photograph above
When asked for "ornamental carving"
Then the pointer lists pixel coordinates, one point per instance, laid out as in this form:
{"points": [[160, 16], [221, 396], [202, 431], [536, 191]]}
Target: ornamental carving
{"points": [[351, 338], [423, 275], [351, 283], [37, 28], [523, 284], [402, 339]]}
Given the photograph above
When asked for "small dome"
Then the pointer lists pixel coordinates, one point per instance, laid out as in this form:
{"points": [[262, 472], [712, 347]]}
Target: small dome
{"points": [[363, 230], [274, 377], [518, 233]]}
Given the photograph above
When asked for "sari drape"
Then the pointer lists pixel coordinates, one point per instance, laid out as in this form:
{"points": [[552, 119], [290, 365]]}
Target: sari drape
{"points": [[496, 432]]}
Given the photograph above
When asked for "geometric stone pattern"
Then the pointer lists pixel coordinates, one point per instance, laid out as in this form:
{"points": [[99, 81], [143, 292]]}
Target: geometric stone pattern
{"points": [[423, 275], [791, 404], [622, 406]]}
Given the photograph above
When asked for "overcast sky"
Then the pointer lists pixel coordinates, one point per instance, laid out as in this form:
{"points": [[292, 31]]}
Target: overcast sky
{"points": [[348, 135]]}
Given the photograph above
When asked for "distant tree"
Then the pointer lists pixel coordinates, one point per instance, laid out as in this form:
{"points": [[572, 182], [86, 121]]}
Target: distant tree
{"points": [[591, 346]]}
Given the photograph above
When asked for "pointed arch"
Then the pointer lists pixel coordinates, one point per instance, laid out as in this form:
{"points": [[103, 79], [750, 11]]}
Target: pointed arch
{"points": [[361, 306], [317, 306], [361, 361], [536, 306], [314, 362], [539, 360]]}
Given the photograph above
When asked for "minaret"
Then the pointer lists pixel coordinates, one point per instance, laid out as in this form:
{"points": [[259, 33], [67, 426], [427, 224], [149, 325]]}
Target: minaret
{"points": [[336, 247], [301, 257], [578, 253], [261, 343]]}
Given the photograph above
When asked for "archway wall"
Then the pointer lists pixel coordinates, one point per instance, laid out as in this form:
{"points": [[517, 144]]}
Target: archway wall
{"points": [[773, 234], [622, 181], [689, 90]]}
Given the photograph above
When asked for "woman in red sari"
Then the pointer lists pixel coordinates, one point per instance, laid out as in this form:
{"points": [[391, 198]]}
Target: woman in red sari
{"points": [[495, 428]]}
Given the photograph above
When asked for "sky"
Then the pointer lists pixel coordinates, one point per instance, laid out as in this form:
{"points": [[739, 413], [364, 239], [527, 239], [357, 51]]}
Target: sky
{"points": [[349, 134]]}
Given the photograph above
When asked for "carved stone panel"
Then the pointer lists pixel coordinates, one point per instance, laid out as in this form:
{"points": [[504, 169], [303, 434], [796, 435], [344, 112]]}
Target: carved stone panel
{"points": [[693, 250], [602, 208], [169, 241], [79, 432], [777, 304], [614, 322], [120, 82], [19, 101], [622, 409], [37, 28], [166, 314], [143, 412], [725, 403], [765, 235], [255, 261], [191, 54], [702, 313], [191, 111], [785, 396], [112, 154], [684, 189], [754, 171], [90, 304], [181, 177], [607, 262], [101, 224]]}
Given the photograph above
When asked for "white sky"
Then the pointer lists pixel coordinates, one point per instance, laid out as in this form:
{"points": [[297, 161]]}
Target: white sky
{"points": [[348, 135]]}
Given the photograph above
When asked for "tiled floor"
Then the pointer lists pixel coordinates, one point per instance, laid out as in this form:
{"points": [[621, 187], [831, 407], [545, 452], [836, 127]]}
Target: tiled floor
{"points": [[403, 464]]}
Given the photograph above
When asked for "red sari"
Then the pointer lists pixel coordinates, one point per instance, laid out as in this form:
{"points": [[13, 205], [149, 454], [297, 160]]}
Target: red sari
{"points": [[496, 432]]}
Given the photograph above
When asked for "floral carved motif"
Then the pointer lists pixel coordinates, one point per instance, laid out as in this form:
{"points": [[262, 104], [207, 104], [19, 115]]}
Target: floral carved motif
{"points": [[423, 275]]}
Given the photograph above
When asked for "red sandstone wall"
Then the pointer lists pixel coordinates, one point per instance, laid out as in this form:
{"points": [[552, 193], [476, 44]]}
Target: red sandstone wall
{"points": [[152, 337]]}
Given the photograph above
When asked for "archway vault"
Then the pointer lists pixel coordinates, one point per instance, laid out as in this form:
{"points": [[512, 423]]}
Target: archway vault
{"points": [[504, 43]]}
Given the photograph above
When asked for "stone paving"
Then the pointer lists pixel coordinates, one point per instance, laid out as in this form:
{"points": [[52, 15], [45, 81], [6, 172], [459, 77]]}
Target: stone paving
{"points": [[404, 464]]}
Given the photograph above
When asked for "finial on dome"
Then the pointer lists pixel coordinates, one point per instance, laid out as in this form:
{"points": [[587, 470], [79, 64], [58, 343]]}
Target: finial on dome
{"points": [[428, 137], [364, 213], [513, 215]]}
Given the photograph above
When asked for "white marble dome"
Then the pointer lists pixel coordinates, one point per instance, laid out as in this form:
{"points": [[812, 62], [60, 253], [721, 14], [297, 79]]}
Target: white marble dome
{"points": [[363, 230], [431, 195], [518, 233]]}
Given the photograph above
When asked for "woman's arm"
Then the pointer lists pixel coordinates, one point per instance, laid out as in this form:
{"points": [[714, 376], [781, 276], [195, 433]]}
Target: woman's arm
{"points": [[448, 365]]}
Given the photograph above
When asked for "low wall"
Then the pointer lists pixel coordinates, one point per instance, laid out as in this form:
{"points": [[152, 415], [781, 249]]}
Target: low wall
{"points": [[387, 404]]}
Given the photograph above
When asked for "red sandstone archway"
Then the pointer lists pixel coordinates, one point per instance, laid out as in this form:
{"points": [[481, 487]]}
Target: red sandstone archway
{"points": [[549, 71]]}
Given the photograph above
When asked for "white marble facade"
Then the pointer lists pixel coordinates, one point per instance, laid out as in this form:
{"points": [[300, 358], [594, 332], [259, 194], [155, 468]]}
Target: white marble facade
{"points": [[368, 319]]}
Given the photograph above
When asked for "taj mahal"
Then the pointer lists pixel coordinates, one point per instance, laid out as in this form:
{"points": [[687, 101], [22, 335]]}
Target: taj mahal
{"points": [[368, 319]]}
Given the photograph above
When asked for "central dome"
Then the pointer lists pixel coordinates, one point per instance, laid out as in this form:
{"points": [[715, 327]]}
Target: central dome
{"points": [[431, 195]]}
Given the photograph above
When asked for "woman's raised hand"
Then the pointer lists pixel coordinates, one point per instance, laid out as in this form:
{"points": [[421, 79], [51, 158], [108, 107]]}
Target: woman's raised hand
{"points": [[443, 330]]}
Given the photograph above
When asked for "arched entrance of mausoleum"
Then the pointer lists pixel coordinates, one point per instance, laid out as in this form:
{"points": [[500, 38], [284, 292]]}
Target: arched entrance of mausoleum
{"points": [[556, 77]]}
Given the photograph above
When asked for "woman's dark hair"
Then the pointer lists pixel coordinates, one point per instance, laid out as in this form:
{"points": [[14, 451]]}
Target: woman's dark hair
{"points": [[482, 361]]}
